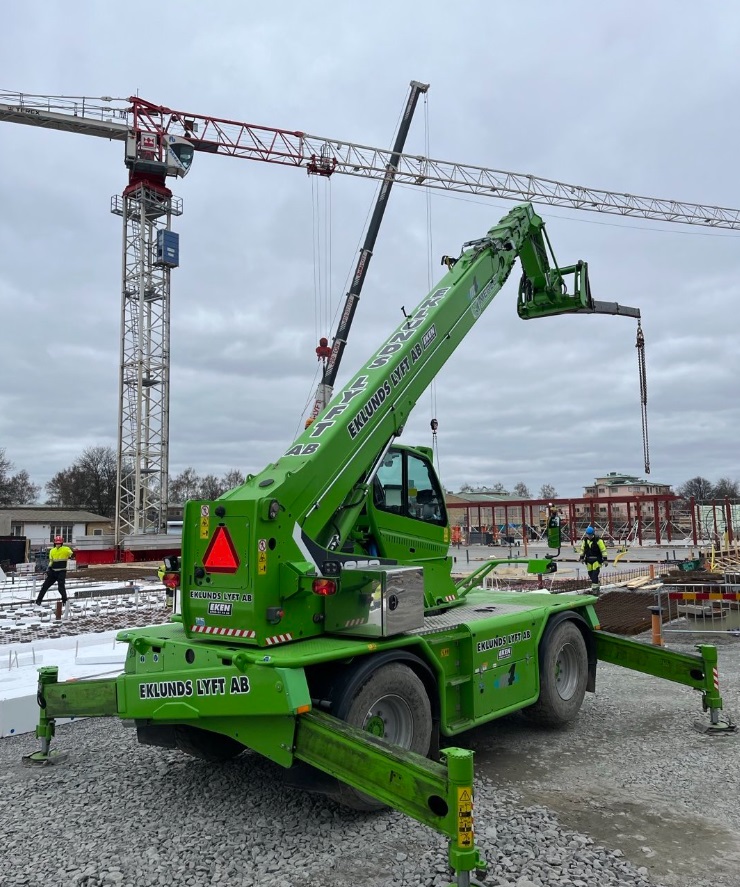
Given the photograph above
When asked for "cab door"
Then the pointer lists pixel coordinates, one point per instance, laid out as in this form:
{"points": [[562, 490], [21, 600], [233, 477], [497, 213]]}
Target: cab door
{"points": [[407, 512]]}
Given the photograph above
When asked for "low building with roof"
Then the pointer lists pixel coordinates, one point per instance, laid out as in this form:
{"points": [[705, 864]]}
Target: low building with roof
{"points": [[41, 523]]}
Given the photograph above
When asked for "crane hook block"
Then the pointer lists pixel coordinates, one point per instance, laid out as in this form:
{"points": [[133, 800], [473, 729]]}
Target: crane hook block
{"points": [[323, 352]]}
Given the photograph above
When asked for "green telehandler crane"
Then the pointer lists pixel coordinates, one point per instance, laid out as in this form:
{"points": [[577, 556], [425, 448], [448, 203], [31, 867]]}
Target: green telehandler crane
{"points": [[319, 623]]}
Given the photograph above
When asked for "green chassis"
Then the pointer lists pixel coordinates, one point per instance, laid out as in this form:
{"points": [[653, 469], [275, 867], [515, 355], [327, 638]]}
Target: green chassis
{"points": [[261, 698]]}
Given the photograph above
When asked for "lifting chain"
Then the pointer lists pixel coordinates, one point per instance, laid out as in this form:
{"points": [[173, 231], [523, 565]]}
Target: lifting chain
{"points": [[640, 345]]}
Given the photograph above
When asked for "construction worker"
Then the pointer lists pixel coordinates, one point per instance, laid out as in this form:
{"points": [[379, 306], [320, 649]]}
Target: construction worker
{"points": [[593, 555], [169, 593], [59, 554]]}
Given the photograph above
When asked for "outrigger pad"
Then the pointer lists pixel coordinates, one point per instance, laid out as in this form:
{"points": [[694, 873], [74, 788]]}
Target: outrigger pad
{"points": [[715, 729], [39, 759]]}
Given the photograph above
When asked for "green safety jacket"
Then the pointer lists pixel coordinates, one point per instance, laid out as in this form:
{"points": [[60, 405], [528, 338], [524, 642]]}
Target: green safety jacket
{"points": [[58, 557]]}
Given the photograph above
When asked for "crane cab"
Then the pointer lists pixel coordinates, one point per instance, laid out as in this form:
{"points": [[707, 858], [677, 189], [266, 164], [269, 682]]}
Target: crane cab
{"points": [[158, 154]]}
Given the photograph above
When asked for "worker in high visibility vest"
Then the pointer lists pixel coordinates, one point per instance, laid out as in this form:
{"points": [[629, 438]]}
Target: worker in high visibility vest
{"points": [[593, 555], [59, 554], [169, 593]]}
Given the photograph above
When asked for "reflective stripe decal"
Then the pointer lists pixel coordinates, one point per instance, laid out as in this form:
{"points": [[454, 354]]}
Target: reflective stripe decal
{"points": [[278, 639], [229, 632]]}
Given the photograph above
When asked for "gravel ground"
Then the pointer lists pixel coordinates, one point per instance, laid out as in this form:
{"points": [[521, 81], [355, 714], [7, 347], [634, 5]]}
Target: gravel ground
{"points": [[627, 796]]}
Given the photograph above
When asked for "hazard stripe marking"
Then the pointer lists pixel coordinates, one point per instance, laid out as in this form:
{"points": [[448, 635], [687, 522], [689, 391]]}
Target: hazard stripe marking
{"points": [[703, 596], [231, 632]]}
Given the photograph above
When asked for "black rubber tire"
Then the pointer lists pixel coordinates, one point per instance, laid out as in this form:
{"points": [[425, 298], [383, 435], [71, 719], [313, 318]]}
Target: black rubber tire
{"points": [[206, 745], [392, 703], [563, 677]]}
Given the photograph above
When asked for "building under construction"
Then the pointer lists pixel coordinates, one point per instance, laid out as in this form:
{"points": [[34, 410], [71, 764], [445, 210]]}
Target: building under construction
{"points": [[658, 518]]}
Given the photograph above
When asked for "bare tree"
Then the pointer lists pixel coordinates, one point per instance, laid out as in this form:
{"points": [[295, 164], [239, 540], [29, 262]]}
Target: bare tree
{"points": [[190, 485], [698, 487], [211, 487], [233, 478], [548, 491], [522, 490], [15, 489], [90, 483], [725, 489], [185, 486]]}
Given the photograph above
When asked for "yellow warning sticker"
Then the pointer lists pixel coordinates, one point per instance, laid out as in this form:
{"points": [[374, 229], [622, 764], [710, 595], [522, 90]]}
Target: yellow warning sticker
{"points": [[261, 562], [465, 836], [205, 513]]}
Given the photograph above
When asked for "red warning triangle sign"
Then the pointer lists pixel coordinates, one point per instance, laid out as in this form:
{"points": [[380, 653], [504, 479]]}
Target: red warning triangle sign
{"points": [[221, 556]]}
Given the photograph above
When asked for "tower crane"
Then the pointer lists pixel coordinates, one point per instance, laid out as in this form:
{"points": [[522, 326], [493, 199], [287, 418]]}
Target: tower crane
{"points": [[160, 142]]}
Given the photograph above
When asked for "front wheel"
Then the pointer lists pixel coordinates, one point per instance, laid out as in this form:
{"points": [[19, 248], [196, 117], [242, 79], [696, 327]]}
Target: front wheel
{"points": [[563, 676], [393, 705]]}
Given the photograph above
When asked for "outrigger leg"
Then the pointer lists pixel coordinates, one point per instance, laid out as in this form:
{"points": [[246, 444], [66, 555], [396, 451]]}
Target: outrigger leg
{"points": [[711, 700], [45, 728], [437, 795], [71, 699], [699, 672]]}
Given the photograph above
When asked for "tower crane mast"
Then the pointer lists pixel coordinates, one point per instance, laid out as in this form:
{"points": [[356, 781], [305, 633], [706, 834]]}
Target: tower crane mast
{"points": [[160, 142]]}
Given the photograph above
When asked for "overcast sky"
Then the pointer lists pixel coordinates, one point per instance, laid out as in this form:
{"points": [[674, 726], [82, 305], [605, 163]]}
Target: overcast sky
{"points": [[632, 97]]}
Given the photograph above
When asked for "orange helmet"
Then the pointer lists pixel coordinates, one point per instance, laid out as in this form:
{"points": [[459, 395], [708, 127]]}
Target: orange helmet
{"points": [[58, 540]]}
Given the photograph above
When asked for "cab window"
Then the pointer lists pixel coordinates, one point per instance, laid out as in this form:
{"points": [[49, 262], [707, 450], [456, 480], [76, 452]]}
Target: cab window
{"points": [[405, 484]]}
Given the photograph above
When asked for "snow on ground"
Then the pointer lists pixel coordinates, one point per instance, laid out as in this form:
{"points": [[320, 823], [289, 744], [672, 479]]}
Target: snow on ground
{"points": [[82, 644]]}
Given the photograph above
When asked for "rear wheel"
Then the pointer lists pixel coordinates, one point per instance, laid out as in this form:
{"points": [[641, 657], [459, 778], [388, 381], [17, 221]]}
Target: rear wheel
{"points": [[393, 705], [563, 676], [206, 745]]}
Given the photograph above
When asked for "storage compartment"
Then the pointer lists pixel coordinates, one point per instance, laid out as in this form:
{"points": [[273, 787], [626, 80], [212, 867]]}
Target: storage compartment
{"points": [[377, 602]]}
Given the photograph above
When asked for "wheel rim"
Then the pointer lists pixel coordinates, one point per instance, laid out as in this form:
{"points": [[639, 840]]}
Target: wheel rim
{"points": [[566, 671], [390, 718]]}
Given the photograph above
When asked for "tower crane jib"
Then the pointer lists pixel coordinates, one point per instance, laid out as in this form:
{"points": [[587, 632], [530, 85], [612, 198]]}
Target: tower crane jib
{"points": [[113, 118]]}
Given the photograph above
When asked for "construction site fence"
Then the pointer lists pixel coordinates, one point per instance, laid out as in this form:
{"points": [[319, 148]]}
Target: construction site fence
{"points": [[700, 608], [555, 582]]}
